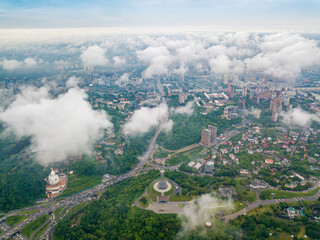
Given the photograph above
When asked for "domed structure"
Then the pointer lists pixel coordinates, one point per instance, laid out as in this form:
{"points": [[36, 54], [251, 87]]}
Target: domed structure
{"points": [[53, 178], [162, 185]]}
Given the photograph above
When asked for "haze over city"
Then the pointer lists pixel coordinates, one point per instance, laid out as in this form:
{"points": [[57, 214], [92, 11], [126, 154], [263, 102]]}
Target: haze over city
{"points": [[158, 119]]}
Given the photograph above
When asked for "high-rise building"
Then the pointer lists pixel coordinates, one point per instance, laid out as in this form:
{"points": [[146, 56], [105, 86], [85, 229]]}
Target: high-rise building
{"points": [[276, 102], [213, 130], [206, 137], [251, 95], [244, 92], [274, 117], [225, 79], [257, 113], [286, 100], [182, 98], [241, 106]]}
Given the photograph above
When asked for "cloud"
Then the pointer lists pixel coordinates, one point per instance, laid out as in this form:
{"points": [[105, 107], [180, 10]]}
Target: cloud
{"points": [[221, 64], [285, 55], [119, 61], [72, 82], [30, 62], [181, 70], [145, 118], [10, 64], [94, 56], [123, 79], [299, 117], [14, 64], [188, 109], [167, 127], [197, 212], [61, 64], [158, 58], [58, 127]]}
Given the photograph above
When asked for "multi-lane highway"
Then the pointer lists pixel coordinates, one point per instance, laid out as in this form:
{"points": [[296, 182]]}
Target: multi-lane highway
{"points": [[55, 204]]}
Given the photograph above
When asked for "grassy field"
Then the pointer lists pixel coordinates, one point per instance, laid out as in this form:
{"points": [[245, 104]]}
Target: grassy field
{"points": [[134, 210], [57, 211], [64, 211], [15, 219], [188, 156], [160, 153], [150, 193], [287, 236], [31, 227], [170, 191], [258, 210], [144, 205], [154, 191], [28, 212], [41, 231], [250, 197], [238, 205], [77, 184], [266, 194], [179, 198]]}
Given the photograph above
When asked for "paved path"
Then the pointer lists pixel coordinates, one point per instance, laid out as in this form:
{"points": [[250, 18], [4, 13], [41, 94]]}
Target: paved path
{"points": [[267, 202]]}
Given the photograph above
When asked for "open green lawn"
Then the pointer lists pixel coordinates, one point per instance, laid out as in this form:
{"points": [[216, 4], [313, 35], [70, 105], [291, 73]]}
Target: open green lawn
{"points": [[187, 156], [28, 211], [170, 191], [266, 194], [238, 205], [258, 210], [31, 227], [248, 196], [57, 211], [286, 235], [154, 191], [41, 231], [150, 193], [179, 198], [144, 204], [160, 153], [77, 184], [282, 236], [133, 211], [15, 219]]}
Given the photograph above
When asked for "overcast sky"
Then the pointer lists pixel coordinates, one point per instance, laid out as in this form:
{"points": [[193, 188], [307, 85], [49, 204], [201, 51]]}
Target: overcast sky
{"points": [[228, 15]]}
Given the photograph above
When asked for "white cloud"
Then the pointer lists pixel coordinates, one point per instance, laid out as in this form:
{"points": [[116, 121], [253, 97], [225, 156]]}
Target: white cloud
{"points": [[299, 117], [167, 127], [159, 59], [181, 70], [30, 62], [188, 109], [10, 64], [72, 82], [123, 79], [285, 55], [94, 56], [59, 127], [221, 64], [61, 64], [119, 61], [197, 212], [15, 64], [145, 118]]}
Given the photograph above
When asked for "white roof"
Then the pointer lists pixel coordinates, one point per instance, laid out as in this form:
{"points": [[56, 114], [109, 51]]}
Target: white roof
{"points": [[198, 165], [191, 164]]}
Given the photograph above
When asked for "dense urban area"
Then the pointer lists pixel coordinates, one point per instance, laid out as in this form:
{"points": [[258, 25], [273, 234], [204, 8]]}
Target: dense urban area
{"points": [[111, 140]]}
